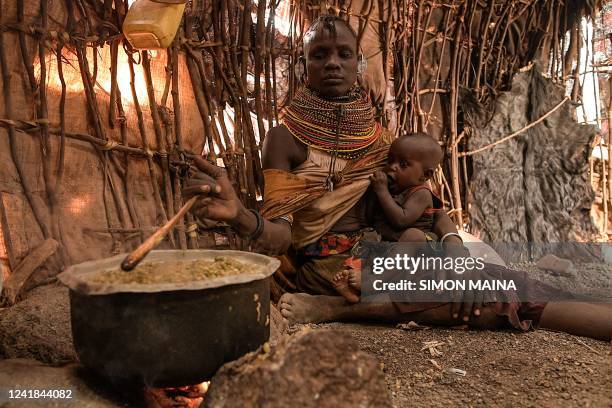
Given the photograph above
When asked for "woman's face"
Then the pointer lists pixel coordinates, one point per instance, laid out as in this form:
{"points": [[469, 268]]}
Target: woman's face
{"points": [[331, 62]]}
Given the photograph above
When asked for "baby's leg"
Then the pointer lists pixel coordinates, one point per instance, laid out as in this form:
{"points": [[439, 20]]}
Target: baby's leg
{"points": [[412, 235]]}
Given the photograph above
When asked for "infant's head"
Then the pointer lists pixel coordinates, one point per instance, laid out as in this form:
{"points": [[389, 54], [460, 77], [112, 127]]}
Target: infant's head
{"points": [[412, 161]]}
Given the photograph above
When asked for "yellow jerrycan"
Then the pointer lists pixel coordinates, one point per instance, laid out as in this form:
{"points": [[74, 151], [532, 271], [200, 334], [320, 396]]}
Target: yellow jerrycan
{"points": [[153, 24]]}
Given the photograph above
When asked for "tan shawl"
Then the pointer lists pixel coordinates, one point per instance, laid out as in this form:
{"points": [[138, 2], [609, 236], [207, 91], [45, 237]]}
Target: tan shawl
{"points": [[304, 195]]}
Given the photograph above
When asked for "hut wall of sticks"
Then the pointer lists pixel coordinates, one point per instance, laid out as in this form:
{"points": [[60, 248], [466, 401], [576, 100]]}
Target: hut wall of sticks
{"points": [[91, 129]]}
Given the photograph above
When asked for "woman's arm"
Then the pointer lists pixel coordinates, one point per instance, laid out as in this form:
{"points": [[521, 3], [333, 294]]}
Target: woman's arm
{"points": [[275, 238], [469, 302], [219, 201]]}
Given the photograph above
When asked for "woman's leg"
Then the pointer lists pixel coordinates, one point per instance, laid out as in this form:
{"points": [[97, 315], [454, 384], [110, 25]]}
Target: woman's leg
{"points": [[579, 318], [304, 308], [582, 319]]}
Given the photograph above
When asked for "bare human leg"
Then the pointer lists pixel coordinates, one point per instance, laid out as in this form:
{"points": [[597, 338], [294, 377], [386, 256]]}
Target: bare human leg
{"points": [[304, 308], [409, 235], [582, 319]]}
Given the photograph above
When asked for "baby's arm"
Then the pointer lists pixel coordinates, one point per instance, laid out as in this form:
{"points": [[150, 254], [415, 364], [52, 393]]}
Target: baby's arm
{"points": [[402, 217]]}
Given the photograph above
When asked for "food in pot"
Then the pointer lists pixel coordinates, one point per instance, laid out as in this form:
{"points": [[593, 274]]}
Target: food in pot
{"points": [[176, 271]]}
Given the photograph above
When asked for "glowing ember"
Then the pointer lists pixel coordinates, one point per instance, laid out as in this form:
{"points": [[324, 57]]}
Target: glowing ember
{"points": [[189, 396]]}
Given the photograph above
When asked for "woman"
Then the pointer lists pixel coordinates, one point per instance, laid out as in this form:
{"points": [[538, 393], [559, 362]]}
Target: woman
{"points": [[316, 168]]}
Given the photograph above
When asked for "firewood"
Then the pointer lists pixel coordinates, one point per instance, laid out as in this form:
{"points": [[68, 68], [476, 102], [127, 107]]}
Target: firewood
{"points": [[34, 260]]}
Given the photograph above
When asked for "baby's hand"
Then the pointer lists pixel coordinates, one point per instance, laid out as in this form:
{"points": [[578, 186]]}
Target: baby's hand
{"points": [[379, 181]]}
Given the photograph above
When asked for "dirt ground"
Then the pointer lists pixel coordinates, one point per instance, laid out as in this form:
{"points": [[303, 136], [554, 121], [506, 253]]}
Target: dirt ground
{"points": [[502, 369], [592, 279], [38, 327]]}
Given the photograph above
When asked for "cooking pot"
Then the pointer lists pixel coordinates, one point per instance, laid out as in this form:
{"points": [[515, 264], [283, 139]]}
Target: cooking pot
{"points": [[172, 334]]}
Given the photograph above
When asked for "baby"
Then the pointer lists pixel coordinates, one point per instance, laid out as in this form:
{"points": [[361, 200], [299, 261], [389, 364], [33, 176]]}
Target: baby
{"points": [[406, 205]]}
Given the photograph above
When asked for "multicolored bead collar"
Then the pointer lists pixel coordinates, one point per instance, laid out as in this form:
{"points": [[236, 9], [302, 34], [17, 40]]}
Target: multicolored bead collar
{"points": [[343, 126]]}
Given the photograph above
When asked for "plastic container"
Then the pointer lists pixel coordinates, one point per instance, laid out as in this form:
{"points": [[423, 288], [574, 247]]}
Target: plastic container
{"points": [[150, 25]]}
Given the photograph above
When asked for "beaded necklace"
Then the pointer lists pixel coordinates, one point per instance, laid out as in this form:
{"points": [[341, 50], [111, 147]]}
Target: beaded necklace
{"points": [[343, 126]]}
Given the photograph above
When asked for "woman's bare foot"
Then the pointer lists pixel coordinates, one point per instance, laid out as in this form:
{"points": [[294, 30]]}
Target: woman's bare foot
{"points": [[354, 279], [304, 308], [341, 284]]}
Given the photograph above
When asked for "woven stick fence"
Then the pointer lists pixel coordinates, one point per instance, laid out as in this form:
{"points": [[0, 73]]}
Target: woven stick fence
{"points": [[239, 67]]}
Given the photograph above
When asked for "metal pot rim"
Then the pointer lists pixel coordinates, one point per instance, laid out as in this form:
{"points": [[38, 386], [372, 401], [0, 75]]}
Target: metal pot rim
{"points": [[74, 276]]}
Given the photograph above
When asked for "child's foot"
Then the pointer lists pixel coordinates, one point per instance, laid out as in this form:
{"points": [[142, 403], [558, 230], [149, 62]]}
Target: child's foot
{"points": [[341, 284], [354, 279]]}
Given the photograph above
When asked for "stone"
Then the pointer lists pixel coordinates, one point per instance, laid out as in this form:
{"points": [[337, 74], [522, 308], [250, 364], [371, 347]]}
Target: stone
{"points": [[278, 326], [556, 265], [38, 327], [33, 375], [310, 368]]}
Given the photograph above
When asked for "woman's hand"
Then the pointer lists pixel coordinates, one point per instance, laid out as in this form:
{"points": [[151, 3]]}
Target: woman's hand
{"points": [[219, 202], [469, 302], [466, 303]]}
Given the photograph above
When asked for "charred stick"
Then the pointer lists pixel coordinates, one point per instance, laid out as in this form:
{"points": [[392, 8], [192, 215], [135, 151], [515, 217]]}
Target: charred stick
{"points": [[114, 49], [418, 66], [145, 142], [269, 44], [167, 84], [161, 142], [94, 55], [90, 94], [126, 160], [173, 57], [23, 45], [62, 115], [447, 14], [500, 49], [481, 49], [8, 111], [42, 113], [456, 192], [196, 82], [494, 39], [176, 102], [259, 57], [576, 85], [369, 6], [212, 110], [468, 68]]}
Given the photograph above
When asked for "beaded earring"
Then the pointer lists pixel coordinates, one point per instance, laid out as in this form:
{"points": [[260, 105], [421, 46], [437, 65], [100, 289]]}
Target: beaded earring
{"points": [[362, 64], [299, 69]]}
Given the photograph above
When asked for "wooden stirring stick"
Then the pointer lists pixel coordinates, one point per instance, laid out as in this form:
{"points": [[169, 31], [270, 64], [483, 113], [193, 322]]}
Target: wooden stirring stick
{"points": [[139, 253]]}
